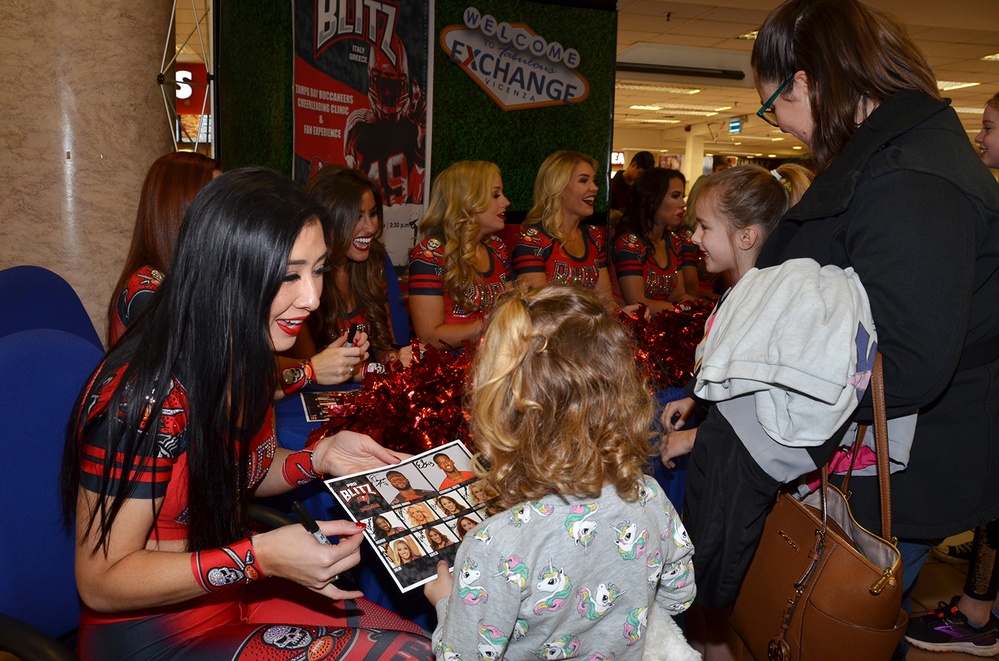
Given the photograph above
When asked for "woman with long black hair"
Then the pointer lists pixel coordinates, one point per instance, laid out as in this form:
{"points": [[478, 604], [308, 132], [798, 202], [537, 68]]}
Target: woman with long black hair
{"points": [[174, 435]]}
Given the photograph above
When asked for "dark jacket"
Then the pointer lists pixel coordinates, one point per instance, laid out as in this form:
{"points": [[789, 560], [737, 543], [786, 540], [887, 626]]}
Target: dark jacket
{"points": [[909, 205]]}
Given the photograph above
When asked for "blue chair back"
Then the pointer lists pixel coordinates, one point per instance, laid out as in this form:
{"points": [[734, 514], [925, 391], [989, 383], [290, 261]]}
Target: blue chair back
{"points": [[397, 306], [35, 297], [44, 371]]}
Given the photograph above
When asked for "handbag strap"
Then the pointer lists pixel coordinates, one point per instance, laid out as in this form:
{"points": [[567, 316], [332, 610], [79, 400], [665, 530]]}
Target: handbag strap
{"points": [[854, 451], [881, 443], [881, 452]]}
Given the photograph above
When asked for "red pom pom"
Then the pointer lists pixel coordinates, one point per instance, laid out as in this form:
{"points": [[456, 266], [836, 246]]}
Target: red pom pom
{"points": [[665, 344], [409, 410]]}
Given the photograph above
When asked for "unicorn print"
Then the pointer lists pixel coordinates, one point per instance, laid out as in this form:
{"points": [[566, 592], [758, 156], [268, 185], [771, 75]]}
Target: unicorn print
{"points": [[520, 628], [675, 575], [581, 530], [520, 515], [597, 656], [593, 608], [563, 647], [482, 535], [447, 653], [629, 544], [633, 625], [470, 593], [645, 493], [543, 509], [514, 570], [494, 642], [556, 584], [655, 563]]}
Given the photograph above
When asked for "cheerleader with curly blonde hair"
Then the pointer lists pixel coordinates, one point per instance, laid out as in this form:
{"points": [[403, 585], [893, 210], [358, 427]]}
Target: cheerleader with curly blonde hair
{"points": [[566, 442], [459, 267]]}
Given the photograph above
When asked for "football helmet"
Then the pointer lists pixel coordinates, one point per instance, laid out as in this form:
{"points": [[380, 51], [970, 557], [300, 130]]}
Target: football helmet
{"points": [[388, 82]]}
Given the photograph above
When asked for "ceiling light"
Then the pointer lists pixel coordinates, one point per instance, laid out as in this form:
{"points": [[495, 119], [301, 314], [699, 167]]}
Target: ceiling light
{"points": [[759, 138], [677, 108], [669, 89], [992, 58], [771, 155], [749, 36], [652, 121], [948, 85], [796, 147], [687, 106], [965, 110], [689, 113]]}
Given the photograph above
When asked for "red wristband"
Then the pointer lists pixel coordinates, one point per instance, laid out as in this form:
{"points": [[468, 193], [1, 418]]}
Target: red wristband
{"points": [[298, 469], [229, 565], [297, 377]]}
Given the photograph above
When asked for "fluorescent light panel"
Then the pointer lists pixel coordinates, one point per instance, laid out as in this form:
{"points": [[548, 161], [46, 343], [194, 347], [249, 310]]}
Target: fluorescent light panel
{"points": [[948, 85], [652, 121], [668, 89], [681, 106]]}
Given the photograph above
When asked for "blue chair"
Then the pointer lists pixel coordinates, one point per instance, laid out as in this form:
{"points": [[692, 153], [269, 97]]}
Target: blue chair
{"points": [[397, 306], [35, 297], [44, 371]]}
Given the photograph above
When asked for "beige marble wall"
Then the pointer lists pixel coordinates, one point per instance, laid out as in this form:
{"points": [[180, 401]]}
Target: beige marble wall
{"points": [[81, 120]]}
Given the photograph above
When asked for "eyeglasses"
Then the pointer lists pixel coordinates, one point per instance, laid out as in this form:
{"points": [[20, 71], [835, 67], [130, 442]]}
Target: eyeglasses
{"points": [[766, 111]]}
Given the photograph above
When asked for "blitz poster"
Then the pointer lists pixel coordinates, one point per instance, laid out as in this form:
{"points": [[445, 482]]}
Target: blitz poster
{"points": [[360, 100]]}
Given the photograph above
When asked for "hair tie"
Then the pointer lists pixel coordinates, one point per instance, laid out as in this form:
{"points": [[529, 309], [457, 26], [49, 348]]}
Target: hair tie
{"points": [[786, 183]]}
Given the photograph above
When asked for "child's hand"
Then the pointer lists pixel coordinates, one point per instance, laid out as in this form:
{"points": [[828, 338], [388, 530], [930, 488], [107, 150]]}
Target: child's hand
{"points": [[674, 444], [679, 409], [440, 587]]}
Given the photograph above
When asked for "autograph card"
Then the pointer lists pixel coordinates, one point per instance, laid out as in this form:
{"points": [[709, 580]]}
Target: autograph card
{"points": [[416, 512]]}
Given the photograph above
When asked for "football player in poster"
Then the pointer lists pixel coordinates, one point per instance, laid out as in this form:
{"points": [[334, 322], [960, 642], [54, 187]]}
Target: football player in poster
{"points": [[387, 140]]}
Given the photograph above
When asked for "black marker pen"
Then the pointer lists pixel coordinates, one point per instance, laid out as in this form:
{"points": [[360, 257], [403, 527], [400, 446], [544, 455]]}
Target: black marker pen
{"points": [[308, 522], [351, 332]]}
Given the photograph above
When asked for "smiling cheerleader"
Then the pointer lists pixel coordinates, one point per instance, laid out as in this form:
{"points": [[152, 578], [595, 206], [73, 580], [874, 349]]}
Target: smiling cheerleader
{"points": [[459, 267]]}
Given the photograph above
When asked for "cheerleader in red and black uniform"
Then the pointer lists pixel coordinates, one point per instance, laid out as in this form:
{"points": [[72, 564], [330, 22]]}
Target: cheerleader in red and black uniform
{"points": [[554, 246], [174, 435], [459, 267], [170, 185], [653, 260]]}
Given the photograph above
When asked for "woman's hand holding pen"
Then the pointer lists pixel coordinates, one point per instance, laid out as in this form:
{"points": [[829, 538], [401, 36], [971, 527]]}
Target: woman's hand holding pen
{"points": [[338, 362], [291, 552], [348, 452]]}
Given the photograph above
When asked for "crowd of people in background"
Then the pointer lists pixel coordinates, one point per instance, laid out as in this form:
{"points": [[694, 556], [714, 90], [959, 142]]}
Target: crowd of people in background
{"points": [[243, 287]]}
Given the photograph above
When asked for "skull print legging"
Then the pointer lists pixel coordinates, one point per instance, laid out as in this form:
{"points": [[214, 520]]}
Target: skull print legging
{"points": [[272, 620]]}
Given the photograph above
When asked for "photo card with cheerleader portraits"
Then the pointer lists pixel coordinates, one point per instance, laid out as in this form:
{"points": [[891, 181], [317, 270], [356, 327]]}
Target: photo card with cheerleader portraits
{"points": [[421, 518]]}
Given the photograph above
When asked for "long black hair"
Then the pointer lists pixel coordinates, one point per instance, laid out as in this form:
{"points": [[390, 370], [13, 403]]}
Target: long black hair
{"points": [[647, 194], [206, 330]]}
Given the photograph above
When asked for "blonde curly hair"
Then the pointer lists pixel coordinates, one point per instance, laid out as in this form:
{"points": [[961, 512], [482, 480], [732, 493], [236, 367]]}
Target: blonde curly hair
{"points": [[557, 403], [553, 176], [459, 194]]}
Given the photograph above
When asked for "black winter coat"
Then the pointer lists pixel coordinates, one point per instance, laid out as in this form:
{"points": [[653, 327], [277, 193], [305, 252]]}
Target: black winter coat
{"points": [[909, 205]]}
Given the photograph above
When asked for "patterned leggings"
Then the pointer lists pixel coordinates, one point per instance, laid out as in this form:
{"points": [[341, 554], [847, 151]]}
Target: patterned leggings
{"points": [[274, 621], [983, 571]]}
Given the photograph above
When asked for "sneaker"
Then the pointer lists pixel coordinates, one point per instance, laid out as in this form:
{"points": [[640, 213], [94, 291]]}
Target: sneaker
{"points": [[946, 629], [955, 553]]}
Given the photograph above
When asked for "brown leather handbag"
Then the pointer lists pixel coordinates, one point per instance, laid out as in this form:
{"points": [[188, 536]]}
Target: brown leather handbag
{"points": [[820, 586]]}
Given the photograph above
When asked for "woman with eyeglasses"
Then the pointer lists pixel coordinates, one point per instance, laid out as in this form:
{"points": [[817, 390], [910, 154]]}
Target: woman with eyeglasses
{"points": [[902, 198]]}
